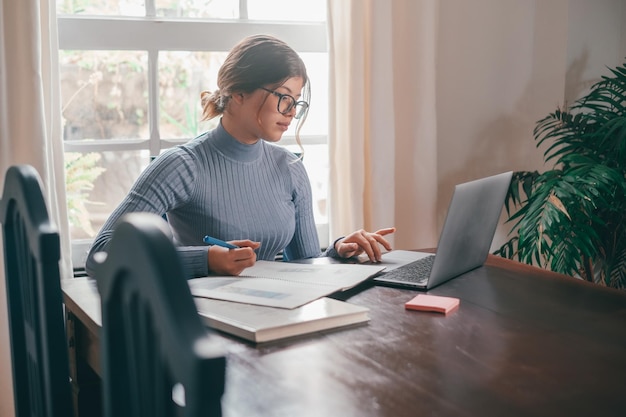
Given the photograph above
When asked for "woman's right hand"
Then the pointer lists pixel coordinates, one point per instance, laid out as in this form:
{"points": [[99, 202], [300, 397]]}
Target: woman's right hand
{"points": [[224, 261]]}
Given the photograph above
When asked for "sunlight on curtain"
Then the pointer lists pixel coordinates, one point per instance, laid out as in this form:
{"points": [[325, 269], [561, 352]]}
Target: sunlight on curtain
{"points": [[30, 129], [382, 126]]}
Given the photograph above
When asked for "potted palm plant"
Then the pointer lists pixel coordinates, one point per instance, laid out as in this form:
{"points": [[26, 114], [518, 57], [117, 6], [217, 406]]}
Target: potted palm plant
{"points": [[572, 219]]}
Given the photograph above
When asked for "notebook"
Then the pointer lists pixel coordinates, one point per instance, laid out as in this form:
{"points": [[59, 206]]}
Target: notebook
{"points": [[261, 324], [465, 239]]}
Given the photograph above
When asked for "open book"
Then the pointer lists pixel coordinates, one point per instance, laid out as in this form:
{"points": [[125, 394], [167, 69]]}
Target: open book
{"points": [[263, 324], [283, 284]]}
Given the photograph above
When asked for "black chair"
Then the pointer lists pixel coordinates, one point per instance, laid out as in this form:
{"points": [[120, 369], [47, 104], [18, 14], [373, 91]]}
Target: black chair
{"points": [[153, 339], [39, 351]]}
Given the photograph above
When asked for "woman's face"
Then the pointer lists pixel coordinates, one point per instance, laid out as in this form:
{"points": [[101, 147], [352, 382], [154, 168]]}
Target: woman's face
{"points": [[259, 115]]}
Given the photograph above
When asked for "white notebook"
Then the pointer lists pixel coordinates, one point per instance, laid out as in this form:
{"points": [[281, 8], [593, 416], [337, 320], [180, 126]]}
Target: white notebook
{"points": [[264, 324], [283, 284]]}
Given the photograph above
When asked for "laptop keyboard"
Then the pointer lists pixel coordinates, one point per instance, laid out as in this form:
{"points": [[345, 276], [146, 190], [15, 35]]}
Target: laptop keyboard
{"points": [[416, 271]]}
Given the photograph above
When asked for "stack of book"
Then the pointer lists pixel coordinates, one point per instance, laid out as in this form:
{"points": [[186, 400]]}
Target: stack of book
{"points": [[261, 324], [277, 300]]}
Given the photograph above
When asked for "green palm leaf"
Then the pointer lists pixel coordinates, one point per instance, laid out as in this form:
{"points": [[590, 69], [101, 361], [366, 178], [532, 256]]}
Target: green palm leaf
{"points": [[571, 219]]}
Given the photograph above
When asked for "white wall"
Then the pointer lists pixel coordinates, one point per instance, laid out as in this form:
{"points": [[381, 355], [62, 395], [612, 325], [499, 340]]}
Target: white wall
{"points": [[596, 40], [503, 65]]}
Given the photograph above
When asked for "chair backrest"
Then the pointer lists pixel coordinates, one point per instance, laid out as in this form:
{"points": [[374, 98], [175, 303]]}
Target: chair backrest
{"points": [[152, 337], [39, 350]]}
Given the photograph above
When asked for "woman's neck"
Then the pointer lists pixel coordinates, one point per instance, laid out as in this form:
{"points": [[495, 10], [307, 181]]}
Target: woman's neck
{"points": [[237, 130], [235, 149]]}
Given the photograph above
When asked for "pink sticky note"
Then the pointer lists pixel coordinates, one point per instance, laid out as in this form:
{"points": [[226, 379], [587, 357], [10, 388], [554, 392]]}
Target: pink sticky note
{"points": [[439, 304]]}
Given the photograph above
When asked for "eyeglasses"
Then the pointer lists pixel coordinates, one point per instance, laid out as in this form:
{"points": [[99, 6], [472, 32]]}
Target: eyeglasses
{"points": [[286, 103]]}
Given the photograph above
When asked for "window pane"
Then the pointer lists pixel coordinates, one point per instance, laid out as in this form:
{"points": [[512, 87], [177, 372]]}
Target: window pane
{"points": [[102, 7], [96, 183], [316, 164], [317, 119], [182, 76], [288, 10], [104, 94], [108, 95], [216, 9]]}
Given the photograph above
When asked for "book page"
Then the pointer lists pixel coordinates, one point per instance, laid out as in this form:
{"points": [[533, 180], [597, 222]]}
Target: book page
{"points": [[282, 284], [259, 291], [339, 276]]}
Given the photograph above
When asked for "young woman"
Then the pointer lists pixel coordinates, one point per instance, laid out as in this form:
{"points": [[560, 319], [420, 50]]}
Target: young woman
{"points": [[233, 183]]}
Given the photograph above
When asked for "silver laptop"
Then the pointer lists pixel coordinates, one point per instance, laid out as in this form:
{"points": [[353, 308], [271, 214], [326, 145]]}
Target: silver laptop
{"points": [[465, 239]]}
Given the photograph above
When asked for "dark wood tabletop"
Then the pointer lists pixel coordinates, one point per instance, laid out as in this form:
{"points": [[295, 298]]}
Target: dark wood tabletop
{"points": [[523, 342]]}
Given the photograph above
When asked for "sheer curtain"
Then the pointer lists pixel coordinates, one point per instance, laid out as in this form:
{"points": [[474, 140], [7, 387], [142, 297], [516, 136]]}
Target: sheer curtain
{"points": [[30, 129], [382, 139]]}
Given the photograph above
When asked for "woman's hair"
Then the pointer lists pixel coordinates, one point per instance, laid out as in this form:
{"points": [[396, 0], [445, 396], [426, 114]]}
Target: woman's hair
{"points": [[256, 61]]}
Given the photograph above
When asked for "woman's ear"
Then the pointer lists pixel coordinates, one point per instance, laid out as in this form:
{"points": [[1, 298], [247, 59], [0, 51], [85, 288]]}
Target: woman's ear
{"points": [[237, 97]]}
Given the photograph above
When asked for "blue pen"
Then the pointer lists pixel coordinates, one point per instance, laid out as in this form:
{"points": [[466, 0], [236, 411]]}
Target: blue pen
{"points": [[213, 241]]}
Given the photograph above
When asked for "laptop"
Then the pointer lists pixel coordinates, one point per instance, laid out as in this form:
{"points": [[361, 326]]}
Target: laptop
{"points": [[465, 239]]}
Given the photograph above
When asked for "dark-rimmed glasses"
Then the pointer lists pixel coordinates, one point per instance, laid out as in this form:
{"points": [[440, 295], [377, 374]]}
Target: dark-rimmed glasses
{"points": [[287, 102]]}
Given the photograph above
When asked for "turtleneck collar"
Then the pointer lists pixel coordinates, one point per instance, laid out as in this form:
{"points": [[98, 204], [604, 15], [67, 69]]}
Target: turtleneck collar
{"points": [[232, 148]]}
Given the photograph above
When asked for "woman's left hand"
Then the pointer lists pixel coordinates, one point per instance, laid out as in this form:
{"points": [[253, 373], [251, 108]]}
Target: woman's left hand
{"points": [[363, 241]]}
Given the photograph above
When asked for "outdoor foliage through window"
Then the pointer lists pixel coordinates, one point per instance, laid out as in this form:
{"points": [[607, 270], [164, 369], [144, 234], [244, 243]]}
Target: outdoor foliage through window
{"points": [[124, 102]]}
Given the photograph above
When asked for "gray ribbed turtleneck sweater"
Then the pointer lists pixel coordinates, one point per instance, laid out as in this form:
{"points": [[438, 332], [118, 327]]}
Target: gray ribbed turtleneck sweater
{"points": [[217, 186]]}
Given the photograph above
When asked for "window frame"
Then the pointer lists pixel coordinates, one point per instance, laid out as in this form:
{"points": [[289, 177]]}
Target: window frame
{"points": [[154, 34]]}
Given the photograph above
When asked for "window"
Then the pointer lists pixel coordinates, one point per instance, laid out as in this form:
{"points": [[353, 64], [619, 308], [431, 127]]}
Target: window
{"points": [[131, 75]]}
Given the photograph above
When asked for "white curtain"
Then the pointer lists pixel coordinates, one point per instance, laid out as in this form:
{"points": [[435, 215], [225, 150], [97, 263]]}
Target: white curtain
{"points": [[382, 139], [30, 129]]}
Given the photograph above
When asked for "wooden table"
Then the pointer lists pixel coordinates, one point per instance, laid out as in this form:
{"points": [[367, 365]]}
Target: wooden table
{"points": [[524, 342]]}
